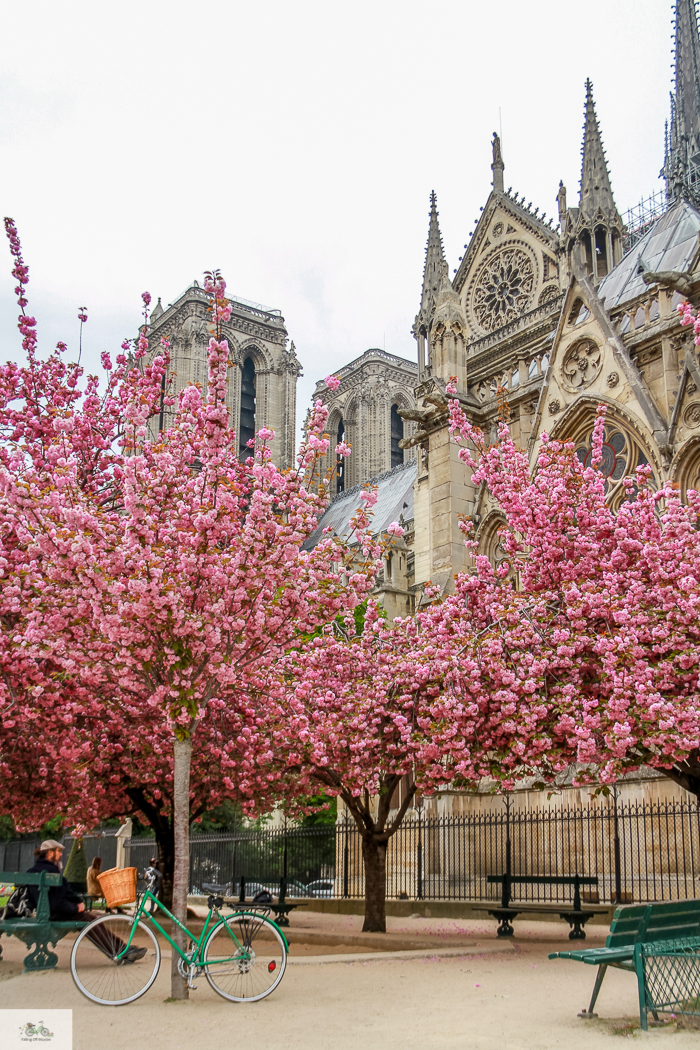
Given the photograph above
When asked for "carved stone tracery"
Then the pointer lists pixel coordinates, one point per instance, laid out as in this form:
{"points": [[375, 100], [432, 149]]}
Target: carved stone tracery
{"points": [[691, 416], [503, 288], [582, 364]]}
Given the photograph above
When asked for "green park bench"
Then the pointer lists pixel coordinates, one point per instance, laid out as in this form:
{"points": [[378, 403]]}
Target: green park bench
{"points": [[661, 944], [39, 930], [576, 915]]}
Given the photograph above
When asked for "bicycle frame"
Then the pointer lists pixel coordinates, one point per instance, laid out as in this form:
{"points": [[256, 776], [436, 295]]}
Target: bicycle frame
{"points": [[199, 942]]}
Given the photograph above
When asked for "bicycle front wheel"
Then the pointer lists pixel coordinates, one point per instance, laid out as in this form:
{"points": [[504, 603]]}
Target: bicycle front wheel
{"points": [[100, 976], [251, 966]]}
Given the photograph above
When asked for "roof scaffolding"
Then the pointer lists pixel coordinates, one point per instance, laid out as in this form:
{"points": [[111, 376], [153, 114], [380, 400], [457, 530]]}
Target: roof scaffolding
{"points": [[640, 218]]}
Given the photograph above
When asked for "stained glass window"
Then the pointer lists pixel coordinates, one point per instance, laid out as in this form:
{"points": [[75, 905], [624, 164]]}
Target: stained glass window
{"points": [[621, 455]]}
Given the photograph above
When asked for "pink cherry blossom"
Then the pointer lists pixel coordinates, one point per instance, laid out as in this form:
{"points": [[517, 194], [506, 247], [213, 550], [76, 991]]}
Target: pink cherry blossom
{"points": [[149, 586]]}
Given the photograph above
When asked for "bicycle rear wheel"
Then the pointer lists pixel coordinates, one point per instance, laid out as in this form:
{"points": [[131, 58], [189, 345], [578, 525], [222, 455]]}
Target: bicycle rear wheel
{"points": [[251, 969], [108, 981]]}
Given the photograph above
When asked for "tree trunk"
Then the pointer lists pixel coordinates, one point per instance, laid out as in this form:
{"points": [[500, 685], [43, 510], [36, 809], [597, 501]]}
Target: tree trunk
{"points": [[182, 761], [374, 857], [162, 826], [686, 773], [165, 843]]}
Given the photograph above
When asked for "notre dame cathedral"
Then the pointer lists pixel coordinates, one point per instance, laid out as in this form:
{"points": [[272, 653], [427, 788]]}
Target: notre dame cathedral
{"points": [[559, 319], [556, 318]]}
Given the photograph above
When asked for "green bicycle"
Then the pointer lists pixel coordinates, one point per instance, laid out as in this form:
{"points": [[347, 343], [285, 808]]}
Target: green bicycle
{"points": [[116, 958]]}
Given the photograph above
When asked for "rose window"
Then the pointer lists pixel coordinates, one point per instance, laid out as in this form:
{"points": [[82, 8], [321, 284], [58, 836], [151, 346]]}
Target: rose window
{"points": [[504, 288]]}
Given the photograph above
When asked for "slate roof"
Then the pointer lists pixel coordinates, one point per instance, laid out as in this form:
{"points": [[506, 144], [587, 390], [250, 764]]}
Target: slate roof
{"points": [[394, 499], [670, 244]]}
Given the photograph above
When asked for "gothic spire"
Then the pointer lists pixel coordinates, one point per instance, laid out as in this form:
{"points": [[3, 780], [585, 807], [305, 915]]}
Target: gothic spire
{"points": [[497, 165], [596, 191], [683, 141], [434, 260], [593, 231]]}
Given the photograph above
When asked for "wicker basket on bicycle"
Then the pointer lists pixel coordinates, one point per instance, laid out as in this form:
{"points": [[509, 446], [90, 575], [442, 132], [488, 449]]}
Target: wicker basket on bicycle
{"points": [[118, 886]]}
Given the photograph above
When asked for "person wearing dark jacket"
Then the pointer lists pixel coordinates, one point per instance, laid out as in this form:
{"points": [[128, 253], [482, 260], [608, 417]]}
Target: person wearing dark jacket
{"points": [[65, 903]]}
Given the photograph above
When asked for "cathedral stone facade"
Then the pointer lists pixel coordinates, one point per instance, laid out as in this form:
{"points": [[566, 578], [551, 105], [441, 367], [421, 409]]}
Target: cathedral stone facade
{"points": [[263, 371], [556, 320], [366, 411], [551, 318]]}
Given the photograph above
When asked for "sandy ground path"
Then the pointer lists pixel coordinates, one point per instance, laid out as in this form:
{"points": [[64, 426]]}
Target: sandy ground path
{"points": [[483, 999]]}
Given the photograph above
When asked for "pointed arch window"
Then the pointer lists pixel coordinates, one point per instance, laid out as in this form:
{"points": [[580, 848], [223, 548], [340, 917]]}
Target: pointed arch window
{"points": [[621, 455], [601, 251], [579, 313], [246, 429], [340, 460], [586, 251], [396, 436]]}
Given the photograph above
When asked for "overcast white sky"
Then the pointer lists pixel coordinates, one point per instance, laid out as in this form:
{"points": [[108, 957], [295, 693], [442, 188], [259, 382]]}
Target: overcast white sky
{"points": [[294, 144]]}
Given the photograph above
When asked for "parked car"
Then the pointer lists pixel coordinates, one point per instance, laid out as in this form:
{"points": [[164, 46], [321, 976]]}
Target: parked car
{"points": [[297, 889], [321, 888]]}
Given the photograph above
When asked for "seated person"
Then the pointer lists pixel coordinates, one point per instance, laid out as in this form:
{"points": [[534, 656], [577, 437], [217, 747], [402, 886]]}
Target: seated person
{"points": [[93, 887], [65, 904]]}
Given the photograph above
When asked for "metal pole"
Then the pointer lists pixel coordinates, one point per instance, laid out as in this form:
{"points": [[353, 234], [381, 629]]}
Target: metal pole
{"points": [[283, 880], [505, 896], [345, 858], [616, 850], [420, 860]]}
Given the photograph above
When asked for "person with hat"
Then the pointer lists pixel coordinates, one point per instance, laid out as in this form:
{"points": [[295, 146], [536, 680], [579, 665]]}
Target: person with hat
{"points": [[65, 903]]}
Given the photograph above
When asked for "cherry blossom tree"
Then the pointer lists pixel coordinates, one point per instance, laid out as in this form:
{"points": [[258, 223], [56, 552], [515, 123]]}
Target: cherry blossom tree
{"points": [[46, 413], [168, 574], [594, 658], [359, 716]]}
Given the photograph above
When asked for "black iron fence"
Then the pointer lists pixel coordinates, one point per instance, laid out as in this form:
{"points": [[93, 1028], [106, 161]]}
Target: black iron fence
{"points": [[18, 855], [261, 856], [638, 852]]}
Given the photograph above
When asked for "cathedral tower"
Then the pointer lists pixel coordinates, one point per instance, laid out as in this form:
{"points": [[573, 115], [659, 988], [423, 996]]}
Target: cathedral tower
{"points": [[263, 371], [681, 169]]}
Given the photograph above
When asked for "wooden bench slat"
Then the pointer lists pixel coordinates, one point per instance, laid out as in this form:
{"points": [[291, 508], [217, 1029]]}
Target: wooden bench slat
{"points": [[9, 925], [666, 922], [673, 907], [628, 913], [595, 956], [655, 935], [26, 878]]}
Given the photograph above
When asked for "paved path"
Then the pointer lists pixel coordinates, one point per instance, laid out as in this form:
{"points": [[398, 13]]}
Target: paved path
{"points": [[476, 1000]]}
